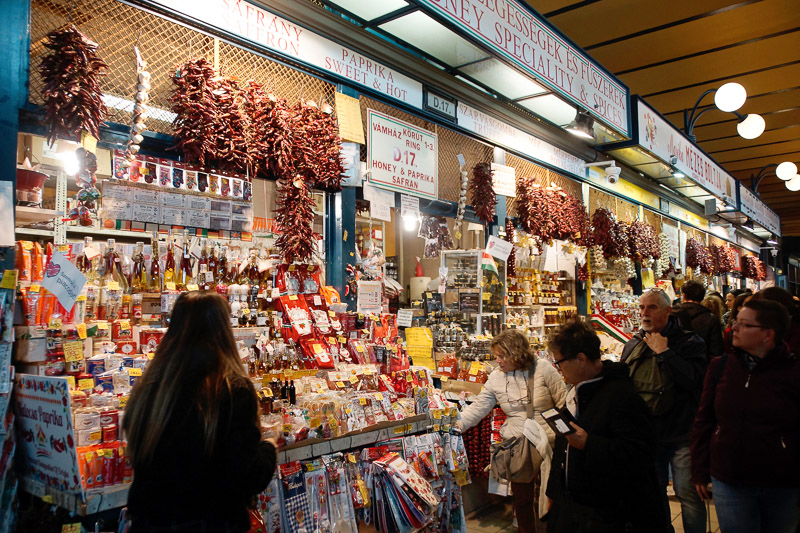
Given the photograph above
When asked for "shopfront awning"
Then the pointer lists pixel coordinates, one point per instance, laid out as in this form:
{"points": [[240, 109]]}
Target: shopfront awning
{"points": [[666, 155], [507, 50]]}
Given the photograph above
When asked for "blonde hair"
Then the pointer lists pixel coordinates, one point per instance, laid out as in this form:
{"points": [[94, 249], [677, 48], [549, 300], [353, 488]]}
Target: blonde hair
{"points": [[515, 347], [197, 359]]}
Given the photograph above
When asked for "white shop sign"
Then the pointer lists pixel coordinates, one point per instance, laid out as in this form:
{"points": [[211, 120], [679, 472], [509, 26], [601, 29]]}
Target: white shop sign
{"points": [[504, 180], [284, 37], [752, 206], [665, 141], [517, 140], [515, 33], [402, 157]]}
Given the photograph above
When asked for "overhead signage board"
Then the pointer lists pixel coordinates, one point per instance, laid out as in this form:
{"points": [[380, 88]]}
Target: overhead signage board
{"points": [[687, 216], [441, 105], [274, 33], [515, 33], [401, 156], [665, 141], [752, 206], [517, 140]]}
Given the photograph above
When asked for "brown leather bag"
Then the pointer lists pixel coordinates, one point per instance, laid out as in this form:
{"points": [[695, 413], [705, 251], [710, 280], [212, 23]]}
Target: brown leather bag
{"points": [[516, 459]]}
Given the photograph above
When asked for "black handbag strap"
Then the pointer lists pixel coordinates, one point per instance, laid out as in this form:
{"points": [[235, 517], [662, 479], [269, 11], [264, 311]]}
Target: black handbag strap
{"points": [[531, 373]]}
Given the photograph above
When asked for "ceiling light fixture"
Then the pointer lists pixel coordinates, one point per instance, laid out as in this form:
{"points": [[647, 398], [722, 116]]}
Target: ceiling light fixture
{"points": [[729, 98], [794, 183], [582, 126], [772, 239], [785, 171]]}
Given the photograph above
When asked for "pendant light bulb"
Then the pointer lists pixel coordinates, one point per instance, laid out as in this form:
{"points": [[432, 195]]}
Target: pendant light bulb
{"points": [[786, 170], [730, 97], [751, 126]]}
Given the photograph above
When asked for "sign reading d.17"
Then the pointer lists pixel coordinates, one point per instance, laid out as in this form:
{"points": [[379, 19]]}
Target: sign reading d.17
{"points": [[401, 156]]}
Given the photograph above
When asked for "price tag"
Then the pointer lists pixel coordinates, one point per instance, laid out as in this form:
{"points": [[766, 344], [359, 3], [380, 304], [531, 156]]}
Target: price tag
{"points": [[333, 422], [73, 351], [474, 368], [409, 378], [123, 401], [293, 297], [375, 318], [192, 287], [314, 422], [170, 285], [47, 498], [134, 372], [86, 384], [353, 379], [91, 252], [55, 323], [379, 396], [317, 300], [9, 279], [34, 288], [292, 268], [81, 331], [287, 428], [361, 316], [340, 384], [453, 412], [362, 401], [367, 371], [331, 314], [81, 298], [437, 414], [444, 378], [113, 286], [318, 349], [124, 325], [437, 428], [71, 382], [150, 355], [102, 325], [64, 248], [351, 457]]}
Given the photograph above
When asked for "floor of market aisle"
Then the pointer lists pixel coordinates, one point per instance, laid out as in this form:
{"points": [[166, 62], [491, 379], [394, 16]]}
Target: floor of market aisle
{"points": [[499, 519]]}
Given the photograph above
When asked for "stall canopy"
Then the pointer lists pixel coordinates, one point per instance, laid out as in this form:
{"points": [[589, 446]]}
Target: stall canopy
{"points": [[507, 50], [665, 154]]}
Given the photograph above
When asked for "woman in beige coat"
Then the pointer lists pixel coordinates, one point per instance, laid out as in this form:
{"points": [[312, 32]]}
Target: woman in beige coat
{"points": [[507, 387]]}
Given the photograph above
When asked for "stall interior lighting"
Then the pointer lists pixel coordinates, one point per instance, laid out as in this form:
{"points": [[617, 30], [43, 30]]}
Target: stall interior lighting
{"points": [[550, 107], [503, 79], [371, 9], [772, 239]]}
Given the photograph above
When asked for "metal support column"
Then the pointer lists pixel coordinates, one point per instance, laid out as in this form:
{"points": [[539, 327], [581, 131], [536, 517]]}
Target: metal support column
{"points": [[14, 61]]}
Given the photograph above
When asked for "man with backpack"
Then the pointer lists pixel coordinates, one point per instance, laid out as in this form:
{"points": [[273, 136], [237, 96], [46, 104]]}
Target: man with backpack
{"points": [[695, 317], [667, 366]]}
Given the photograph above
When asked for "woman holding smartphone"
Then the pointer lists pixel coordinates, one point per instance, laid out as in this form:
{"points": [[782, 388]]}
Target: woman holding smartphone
{"points": [[603, 476]]}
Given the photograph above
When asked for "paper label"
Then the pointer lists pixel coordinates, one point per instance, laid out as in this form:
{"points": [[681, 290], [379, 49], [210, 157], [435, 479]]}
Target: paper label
{"points": [[86, 384], [73, 351], [113, 286], [405, 317], [63, 279], [134, 372], [170, 285], [9, 279]]}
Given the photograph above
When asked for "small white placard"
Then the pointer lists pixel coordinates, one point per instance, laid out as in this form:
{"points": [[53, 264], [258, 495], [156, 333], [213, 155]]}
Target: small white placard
{"points": [[145, 196], [147, 213], [404, 317], [173, 200], [380, 211], [504, 180], [499, 248], [409, 205]]}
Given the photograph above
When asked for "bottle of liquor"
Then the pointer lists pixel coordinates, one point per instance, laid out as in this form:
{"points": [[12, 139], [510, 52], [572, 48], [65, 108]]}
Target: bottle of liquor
{"points": [[221, 276], [113, 269], [139, 278], [202, 267], [169, 265], [88, 266], [186, 274], [292, 393], [154, 280], [212, 265]]}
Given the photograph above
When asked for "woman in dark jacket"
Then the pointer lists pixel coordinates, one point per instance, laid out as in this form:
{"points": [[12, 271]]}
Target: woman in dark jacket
{"points": [[783, 297], [746, 436], [192, 422], [603, 477]]}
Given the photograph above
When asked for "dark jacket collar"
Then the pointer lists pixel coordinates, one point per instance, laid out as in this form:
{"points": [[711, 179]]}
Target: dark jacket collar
{"points": [[671, 330], [779, 353]]}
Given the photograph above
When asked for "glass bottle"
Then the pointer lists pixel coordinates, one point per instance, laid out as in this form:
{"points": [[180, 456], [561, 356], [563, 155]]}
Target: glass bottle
{"points": [[202, 266], [154, 280], [113, 270], [212, 265], [139, 278], [186, 274], [169, 265]]}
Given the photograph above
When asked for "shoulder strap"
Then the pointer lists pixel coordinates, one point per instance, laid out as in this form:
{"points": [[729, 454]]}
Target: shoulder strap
{"points": [[531, 374]]}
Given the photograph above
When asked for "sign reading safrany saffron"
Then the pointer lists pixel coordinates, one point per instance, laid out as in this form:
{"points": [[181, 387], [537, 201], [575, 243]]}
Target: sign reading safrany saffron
{"points": [[402, 157], [513, 32]]}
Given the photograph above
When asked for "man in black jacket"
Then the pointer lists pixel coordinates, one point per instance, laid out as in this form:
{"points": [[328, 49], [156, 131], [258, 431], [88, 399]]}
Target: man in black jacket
{"points": [[667, 367], [695, 317]]}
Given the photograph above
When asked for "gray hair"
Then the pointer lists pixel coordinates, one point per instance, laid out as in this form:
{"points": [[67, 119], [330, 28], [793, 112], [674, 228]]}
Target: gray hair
{"points": [[662, 296]]}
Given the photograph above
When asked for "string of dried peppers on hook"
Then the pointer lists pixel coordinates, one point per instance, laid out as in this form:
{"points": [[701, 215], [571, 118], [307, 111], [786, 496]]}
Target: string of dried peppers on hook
{"points": [[243, 127]]}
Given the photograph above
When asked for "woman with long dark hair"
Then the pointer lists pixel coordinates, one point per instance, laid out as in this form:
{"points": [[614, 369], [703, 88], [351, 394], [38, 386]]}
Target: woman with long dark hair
{"points": [[193, 431]]}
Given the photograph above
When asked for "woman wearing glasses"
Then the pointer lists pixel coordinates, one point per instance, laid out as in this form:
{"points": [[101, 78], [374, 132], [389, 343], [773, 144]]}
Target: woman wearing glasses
{"points": [[603, 478], [746, 435], [508, 386]]}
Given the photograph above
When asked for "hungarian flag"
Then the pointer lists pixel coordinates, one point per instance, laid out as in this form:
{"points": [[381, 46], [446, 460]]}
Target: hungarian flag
{"points": [[487, 263]]}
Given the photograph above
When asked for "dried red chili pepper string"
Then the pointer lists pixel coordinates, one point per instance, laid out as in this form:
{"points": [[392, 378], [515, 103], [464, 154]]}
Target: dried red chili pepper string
{"points": [[482, 193], [73, 94]]}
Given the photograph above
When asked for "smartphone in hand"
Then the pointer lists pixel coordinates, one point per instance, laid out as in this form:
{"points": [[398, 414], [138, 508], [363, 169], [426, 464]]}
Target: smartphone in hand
{"points": [[559, 421]]}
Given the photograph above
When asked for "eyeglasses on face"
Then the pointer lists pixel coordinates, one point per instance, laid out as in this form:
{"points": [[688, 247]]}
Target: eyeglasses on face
{"points": [[557, 364], [744, 325]]}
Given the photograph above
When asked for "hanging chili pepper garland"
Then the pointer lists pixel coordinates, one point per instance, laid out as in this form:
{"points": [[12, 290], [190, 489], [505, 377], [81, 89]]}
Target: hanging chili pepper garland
{"points": [[73, 94], [482, 193], [753, 268], [295, 218], [317, 145], [258, 107], [195, 107], [548, 213], [230, 148]]}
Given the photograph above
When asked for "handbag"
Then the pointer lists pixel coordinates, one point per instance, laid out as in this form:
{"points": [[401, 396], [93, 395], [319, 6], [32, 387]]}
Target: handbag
{"points": [[516, 459]]}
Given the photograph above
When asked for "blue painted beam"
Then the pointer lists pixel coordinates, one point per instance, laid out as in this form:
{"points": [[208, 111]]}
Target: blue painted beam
{"points": [[14, 68]]}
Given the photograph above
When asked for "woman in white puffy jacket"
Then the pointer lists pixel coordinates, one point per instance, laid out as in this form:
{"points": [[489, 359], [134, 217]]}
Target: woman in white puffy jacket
{"points": [[507, 387]]}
